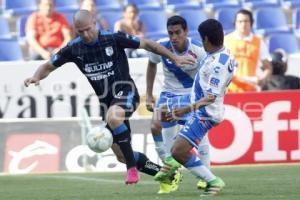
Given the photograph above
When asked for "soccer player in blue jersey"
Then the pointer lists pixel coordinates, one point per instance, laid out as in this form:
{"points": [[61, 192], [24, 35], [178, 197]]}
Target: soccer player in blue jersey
{"points": [[205, 108], [101, 58], [177, 81]]}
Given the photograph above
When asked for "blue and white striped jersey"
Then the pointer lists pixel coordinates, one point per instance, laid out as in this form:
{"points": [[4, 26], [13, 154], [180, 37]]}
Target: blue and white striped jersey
{"points": [[179, 80], [213, 78]]}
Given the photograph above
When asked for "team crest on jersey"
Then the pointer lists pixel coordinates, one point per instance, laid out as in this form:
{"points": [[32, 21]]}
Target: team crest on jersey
{"points": [[109, 51]]}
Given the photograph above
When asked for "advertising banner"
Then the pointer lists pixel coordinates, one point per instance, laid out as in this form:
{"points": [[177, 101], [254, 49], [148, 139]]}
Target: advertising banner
{"points": [[258, 128]]}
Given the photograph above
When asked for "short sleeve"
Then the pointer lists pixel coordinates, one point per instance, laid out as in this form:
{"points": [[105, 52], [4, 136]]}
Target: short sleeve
{"points": [[62, 56], [154, 58], [125, 40]]}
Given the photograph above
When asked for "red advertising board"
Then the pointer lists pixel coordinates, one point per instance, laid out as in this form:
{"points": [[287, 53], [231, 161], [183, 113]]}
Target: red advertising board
{"points": [[36, 152], [258, 128]]}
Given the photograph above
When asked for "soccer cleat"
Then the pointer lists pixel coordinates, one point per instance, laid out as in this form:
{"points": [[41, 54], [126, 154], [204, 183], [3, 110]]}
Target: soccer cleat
{"points": [[132, 176], [168, 185], [214, 187], [169, 168], [201, 185]]}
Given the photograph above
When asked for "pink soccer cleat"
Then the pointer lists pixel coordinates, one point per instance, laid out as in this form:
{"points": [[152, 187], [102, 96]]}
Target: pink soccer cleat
{"points": [[132, 176]]}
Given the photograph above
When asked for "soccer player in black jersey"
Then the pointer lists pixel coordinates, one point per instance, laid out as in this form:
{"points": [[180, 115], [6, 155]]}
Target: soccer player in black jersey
{"points": [[101, 58]]}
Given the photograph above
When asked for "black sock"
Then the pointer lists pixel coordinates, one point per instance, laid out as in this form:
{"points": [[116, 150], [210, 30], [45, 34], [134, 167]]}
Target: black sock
{"points": [[145, 165], [123, 139]]}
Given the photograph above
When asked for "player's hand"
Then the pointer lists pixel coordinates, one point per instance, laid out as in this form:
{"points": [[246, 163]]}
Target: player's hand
{"points": [[179, 112], [150, 102], [182, 61], [164, 113], [31, 80]]}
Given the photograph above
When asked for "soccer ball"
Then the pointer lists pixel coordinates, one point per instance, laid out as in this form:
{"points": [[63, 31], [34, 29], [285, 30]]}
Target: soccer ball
{"points": [[99, 139]]}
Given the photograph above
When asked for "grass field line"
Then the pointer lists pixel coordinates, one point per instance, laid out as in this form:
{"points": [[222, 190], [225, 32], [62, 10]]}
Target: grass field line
{"points": [[97, 180]]}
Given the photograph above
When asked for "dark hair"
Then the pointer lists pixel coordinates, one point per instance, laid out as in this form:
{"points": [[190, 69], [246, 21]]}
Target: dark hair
{"points": [[131, 5], [177, 20], [278, 62], [245, 12], [213, 30]]}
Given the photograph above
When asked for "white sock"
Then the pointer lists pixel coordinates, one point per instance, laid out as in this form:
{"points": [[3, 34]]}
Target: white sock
{"points": [[195, 166], [169, 135], [203, 150], [159, 146]]}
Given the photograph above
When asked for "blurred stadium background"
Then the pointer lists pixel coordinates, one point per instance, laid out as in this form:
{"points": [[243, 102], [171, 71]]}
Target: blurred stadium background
{"points": [[41, 129]]}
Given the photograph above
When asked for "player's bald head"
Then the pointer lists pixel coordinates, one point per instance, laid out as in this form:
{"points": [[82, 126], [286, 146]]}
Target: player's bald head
{"points": [[85, 25], [83, 17]]}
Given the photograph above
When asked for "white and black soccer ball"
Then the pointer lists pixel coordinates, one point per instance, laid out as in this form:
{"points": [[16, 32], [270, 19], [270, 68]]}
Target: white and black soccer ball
{"points": [[99, 139]]}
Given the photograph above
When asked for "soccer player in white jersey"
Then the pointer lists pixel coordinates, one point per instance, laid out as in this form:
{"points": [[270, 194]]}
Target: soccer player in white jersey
{"points": [[206, 108], [177, 82]]}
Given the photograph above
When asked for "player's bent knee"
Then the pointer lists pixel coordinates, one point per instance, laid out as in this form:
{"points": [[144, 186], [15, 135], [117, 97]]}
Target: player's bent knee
{"points": [[176, 152]]}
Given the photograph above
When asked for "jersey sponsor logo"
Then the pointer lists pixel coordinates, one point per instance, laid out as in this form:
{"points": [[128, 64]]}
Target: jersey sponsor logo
{"points": [[109, 51], [119, 95], [100, 76], [95, 67], [216, 69], [214, 82]]}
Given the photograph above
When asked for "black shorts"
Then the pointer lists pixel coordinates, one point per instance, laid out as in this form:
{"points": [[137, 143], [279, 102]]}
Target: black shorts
{"points": [[128, 98]]}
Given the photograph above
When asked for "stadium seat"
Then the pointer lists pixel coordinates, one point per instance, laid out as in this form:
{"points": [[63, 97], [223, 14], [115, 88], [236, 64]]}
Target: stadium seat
{"points": [[226, 16], [145, 4], [111, 17], [193, 19], [182, 4], [20, 27], [270, 19], [286, 41], [10, 50], [66, 5], [18, 7], [290, 3], [155, 23], [69, 16], [4, 30], [259, 3], [215, 4], [108, 5]]}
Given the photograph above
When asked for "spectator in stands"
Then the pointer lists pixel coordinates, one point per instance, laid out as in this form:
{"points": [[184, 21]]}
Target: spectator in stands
{"points": [[250, 52], [132, 25], [278, 80], [90, 5], [46, 31]]}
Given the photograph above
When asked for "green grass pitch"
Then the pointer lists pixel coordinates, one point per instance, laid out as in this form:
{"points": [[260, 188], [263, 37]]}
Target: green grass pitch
{"points": [[269, 182]]}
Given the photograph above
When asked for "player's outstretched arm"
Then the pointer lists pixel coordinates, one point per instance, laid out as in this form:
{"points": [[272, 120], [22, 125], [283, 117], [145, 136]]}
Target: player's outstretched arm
{"points": [[150, 76], [161, 50], [42, 72], [177, 113]]}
